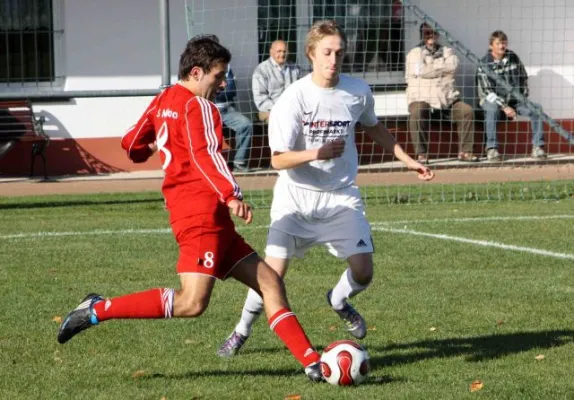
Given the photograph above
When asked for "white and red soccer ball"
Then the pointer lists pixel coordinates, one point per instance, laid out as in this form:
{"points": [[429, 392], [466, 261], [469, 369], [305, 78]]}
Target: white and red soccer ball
{"points": [[345, 363]]}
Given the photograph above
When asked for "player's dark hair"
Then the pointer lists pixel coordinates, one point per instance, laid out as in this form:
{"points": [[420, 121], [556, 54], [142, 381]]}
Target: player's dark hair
{"points": [[203, 52]]}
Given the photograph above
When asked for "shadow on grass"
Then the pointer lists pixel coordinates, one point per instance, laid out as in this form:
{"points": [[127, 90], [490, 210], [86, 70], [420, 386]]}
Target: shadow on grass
{"points": [[222, 373], [474, 349], [382, 380]]}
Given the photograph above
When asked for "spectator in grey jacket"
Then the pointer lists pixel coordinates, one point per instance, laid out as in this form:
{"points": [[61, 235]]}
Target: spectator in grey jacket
{"points": [[271, 77], [493, 98]]}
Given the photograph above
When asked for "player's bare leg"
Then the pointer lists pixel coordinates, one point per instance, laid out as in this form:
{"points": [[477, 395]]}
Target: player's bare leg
{"points": [[193, 297], [354, 280], [252, 309], [257, 275]]}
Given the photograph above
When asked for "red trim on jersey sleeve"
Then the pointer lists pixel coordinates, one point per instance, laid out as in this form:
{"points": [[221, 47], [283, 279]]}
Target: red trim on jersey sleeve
{"points": [[137, 139], [203, 134]]}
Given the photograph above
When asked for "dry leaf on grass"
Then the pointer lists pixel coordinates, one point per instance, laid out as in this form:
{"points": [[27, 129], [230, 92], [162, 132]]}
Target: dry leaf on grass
{"points": [[293, 397], [332, 328], [540, 357], [499, 322], [163, 398], [476, 386], [372, 328], [433, 328], [191, 341], [57, 319], [57, 356], [138, 374]]}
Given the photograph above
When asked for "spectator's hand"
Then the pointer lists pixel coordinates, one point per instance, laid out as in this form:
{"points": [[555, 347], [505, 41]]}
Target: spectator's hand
{"points": [[439, 53], [241, 210], [425, 173], [426, 53], [510, 112], [448, 52], [331, 150]]}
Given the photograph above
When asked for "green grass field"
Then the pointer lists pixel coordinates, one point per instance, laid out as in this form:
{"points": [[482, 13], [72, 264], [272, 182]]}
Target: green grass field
{"points": [[462, 292]]}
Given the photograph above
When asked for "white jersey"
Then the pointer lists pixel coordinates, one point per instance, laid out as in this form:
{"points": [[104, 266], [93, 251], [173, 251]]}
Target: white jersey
{"points": [[307, 116]]}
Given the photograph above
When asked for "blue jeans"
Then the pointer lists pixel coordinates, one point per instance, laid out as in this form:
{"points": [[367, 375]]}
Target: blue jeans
{"points": [[243, 128], [491, 113]]}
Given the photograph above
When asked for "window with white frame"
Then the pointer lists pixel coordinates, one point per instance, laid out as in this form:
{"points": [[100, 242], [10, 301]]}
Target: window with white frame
{"points": [[374, 28], [27, 32], [276, 20], [375, 36]]}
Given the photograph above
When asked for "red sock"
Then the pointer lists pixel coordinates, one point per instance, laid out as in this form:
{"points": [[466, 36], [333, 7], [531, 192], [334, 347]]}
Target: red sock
{"points": [[285, 325], [153, 303]]}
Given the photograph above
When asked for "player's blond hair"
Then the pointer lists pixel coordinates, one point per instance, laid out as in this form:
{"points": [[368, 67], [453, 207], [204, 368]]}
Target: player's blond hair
{"points": [[321, 29]]}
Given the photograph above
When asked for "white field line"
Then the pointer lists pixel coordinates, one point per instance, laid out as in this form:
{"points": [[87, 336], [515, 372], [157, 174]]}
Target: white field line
{"points": [[476, 219], [120, 232], [485, 243], [376, 226]]}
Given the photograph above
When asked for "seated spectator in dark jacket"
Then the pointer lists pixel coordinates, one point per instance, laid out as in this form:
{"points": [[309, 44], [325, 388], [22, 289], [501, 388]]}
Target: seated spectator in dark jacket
{"points": [[494, 98]]}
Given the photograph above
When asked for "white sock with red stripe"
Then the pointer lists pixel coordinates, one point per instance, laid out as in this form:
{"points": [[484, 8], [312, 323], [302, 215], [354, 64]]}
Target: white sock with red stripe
{"points": [[285, 325]]}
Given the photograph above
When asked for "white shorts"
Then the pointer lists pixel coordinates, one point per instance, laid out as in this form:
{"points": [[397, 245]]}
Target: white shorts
{"points": [[302, 218]]}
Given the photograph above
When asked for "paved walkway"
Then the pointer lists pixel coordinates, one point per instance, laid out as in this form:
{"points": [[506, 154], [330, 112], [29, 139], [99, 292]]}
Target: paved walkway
{"points": [[453, 172]]}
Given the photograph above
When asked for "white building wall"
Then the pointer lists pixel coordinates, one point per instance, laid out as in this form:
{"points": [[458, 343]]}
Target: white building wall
{"points": [[115, 44]]}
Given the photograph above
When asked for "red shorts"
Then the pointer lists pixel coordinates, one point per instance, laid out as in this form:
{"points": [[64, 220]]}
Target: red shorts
{"points": [[209, 246]]}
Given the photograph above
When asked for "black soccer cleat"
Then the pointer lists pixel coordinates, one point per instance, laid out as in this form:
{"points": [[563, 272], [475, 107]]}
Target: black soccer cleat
{"points": [[314, 373], [80, 318]]}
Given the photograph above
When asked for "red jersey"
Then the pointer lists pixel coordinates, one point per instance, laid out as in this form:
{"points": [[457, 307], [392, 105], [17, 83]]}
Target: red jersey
{"points": [[188, 132]]}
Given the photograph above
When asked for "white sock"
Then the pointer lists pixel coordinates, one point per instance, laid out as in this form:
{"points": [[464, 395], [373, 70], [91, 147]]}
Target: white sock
{"points": [[251, 311], [345, 288]]}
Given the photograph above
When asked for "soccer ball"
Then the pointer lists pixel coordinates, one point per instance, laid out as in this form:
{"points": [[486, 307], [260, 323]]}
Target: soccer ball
{"points": [[345, 363]]}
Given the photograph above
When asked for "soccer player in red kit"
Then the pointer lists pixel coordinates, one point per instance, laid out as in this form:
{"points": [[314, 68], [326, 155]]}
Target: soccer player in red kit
{"points": [[200, 194]]}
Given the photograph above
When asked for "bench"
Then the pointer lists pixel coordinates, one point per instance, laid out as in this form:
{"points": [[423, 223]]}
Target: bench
{"points": [[19, 124], [259, 153]]}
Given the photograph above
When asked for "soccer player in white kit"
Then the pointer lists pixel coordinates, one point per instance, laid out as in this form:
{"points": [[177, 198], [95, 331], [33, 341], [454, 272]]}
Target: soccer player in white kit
{"points": [[315, 199]]}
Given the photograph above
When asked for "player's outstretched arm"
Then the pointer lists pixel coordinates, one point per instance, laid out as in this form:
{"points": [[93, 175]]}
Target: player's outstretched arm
{"points": [[139, 140], [383, 137], [202, 127]]}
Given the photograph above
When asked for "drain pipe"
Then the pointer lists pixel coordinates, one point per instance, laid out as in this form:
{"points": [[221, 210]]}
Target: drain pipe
{"points": [[165, 43]]}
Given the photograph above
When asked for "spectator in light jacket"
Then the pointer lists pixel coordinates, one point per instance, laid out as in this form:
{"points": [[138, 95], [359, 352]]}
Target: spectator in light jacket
{"points": [[431, 93], [271, 77], [493, 98]]}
